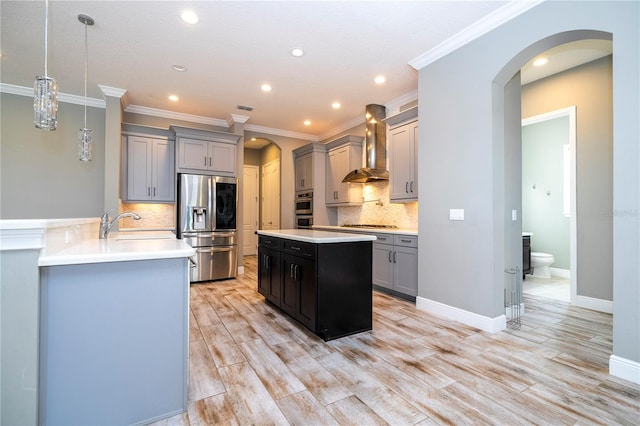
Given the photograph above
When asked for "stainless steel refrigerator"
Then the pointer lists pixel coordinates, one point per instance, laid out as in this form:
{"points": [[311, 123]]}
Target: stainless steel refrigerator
{"points": [[206, 216]]}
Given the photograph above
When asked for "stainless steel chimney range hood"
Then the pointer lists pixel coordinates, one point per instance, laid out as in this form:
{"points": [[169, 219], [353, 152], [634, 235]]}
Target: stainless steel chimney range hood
{"points": [[376, 148]]}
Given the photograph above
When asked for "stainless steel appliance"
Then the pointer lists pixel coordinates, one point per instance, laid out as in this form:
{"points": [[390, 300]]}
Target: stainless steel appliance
{"points": [[304, 210], [304, 222], [304, 203], [206, 216]]}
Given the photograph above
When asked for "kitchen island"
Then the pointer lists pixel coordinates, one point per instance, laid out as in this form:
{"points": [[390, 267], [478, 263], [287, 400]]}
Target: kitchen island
{"points": [[112, 332], [321, 279]]}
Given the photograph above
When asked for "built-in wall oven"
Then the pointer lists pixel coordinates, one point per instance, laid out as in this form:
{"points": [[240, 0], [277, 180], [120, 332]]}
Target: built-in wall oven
{"points": [[304, 203], [304, 222], [304, 210]]}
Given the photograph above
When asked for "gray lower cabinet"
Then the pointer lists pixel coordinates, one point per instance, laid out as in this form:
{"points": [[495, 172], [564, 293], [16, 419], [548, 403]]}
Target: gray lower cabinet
{"points": [[395, 263], [114, 342]]}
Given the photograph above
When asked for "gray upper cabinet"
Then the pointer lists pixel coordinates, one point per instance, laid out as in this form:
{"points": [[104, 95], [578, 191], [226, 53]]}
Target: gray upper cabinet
{"points": [[205, 152], [304, 172], [403, 156], [148, 166], [343, 155]]}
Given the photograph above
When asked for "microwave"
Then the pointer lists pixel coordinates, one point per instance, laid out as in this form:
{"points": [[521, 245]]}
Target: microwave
{"points": [[304, 203]]}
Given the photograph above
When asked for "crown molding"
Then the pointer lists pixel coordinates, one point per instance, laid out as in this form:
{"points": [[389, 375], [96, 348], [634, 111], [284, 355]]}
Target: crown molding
{"points": [[280, 132], [113, 92], [137, 109], [62, 97], [394, 106], [237, 118], [490, 22], [344, 127]]}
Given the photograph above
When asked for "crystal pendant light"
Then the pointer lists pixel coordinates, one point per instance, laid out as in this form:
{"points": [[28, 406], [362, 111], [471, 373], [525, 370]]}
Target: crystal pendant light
{"points": [[45, 89], [85, 138]]}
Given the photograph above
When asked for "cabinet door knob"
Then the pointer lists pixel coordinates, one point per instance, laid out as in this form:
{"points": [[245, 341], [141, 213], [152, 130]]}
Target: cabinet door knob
{"points": [[395, 257], [411, 186], [149, 191], [406, 187]]}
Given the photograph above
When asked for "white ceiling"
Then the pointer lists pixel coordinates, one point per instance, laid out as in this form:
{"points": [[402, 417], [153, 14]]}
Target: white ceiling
{"points": [[235, 48]]}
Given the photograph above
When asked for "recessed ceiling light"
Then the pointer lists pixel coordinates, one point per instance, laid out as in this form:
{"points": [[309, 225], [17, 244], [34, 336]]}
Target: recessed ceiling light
{"points": [[190, 17], [540, 61], [173, 98], [297, 52], [253, 139], [380, 79], [307, 122], [266, 87], [179, 68], [335, 105]]}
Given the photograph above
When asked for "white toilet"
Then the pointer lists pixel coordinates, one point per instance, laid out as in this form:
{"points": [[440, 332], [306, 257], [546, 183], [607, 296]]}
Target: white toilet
{"points": [[540, 263]]}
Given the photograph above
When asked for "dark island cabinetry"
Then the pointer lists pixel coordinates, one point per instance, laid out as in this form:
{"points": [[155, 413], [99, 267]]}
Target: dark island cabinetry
{"points": [[269, 279], [326, 287]]}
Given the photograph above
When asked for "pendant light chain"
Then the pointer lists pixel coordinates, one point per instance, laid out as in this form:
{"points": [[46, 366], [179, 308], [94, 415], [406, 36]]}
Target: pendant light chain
{"points": [[86, 67], [85, 137], [46, 37], [45, 88]]}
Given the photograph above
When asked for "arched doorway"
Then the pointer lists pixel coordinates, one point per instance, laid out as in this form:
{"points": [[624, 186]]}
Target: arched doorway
{"points": [[507, 144]]}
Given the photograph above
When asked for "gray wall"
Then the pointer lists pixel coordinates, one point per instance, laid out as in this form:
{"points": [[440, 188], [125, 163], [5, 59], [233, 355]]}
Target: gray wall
{"points": [[589, 87], [41, 176], [463, 116], [542, 188], [252, 157]]}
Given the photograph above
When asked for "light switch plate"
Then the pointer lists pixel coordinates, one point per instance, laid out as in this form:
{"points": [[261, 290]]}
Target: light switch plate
{"points": [[514, 215], [456, 214]]}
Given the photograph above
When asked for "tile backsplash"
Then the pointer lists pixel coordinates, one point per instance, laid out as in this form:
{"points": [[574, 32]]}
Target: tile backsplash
{"points": [[402, 215], [154, 216]]}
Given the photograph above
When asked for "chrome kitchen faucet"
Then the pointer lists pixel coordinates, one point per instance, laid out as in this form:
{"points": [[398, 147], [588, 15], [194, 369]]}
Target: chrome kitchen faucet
{"points": [[106, 225]]}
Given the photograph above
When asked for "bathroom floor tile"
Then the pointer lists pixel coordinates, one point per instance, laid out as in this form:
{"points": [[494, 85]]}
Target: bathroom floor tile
{"points": [[552, 288]]}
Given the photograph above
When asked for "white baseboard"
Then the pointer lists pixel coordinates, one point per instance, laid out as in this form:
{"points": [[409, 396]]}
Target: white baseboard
{"points": [[240, 270], [491, 325], [624, 368], [561, 273], [594, 304]]}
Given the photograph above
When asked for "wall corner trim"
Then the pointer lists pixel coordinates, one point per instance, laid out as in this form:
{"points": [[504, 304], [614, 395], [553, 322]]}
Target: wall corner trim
{"points": [[493, 20], [490, 325], [624, 368]]}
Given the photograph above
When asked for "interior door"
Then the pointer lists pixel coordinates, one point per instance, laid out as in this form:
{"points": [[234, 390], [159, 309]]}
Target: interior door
{"points": [[271, 195], [250, 213]]}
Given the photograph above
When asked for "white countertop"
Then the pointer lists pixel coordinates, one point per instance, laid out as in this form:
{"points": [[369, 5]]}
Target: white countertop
{"points": [[317, 237], [118, 248], [403, 231], [75, 241]]}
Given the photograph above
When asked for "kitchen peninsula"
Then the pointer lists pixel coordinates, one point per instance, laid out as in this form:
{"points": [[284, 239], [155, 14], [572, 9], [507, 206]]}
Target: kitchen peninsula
{"points": [[321, 279], [106, 334]]}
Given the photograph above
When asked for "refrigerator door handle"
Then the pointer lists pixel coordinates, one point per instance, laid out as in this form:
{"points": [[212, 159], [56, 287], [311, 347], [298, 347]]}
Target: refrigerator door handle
{"points": [[214, 249]]}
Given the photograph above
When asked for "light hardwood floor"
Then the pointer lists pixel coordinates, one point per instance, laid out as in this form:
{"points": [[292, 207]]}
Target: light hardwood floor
{"points": [[251, 364]]}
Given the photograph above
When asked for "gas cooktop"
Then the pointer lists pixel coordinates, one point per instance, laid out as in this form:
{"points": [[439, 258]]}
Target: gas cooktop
{"points": [[364, 225]]}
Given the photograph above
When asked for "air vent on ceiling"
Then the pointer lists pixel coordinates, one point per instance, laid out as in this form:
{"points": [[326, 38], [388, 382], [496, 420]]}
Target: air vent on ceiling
{"points": [[245, 107]]}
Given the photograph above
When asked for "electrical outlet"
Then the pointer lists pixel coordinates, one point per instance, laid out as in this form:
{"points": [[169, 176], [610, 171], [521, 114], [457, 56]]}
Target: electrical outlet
{"points": [[514, 215], [456, 214]]}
